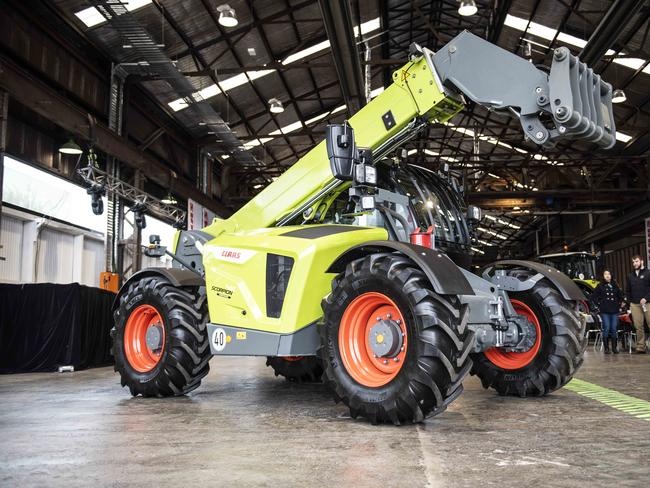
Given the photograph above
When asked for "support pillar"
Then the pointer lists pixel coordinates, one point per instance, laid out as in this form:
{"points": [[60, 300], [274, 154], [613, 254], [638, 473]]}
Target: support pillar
{"points": [[4, 115]]}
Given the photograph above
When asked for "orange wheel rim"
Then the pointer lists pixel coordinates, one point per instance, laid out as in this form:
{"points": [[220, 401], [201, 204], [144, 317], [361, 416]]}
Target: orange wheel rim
{"points": [[356, 350], [517, 360], [138, 352]]}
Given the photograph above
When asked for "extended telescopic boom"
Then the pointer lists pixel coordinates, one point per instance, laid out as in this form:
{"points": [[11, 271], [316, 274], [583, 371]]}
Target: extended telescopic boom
{"points": [[570, 103]]}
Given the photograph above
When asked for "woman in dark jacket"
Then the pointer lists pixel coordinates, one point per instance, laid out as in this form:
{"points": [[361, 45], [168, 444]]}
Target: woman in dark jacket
{"points": [[608, 298]]}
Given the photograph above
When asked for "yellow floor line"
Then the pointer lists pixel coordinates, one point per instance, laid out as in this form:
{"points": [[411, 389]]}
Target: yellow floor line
{"points": [[625, 403]]}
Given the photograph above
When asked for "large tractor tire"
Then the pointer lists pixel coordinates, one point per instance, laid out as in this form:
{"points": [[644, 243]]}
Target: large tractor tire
{"points": [[160, 342], [392, 349], [301, 369], [554, 358]]}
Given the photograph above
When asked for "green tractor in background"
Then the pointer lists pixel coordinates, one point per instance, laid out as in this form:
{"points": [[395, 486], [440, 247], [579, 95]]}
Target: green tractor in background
{"points": [[580, 266]]}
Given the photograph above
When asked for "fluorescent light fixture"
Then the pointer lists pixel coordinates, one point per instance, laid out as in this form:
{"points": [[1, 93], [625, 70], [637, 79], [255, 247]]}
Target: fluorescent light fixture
{"points": [[365, 28], [179, 104], [91, 16], [294, 126], [544, 32], [376, 91], [477, 250], [287, 128], [226, 85], [549, 34], [450, 159], [316, 118], [514, 182], [492, 233], [256, 142], [620, 136], [485, 243], [316, 48], [243, 78], [258, 186], [632, 63]]}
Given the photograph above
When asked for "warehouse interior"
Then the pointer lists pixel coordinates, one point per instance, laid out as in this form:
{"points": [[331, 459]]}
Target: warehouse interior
{"points": [[129, 128]]}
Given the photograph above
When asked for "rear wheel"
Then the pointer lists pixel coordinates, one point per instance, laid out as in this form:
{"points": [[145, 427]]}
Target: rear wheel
{"points": [[301, 369], [160, 343], [554, 358], [392, 349]]}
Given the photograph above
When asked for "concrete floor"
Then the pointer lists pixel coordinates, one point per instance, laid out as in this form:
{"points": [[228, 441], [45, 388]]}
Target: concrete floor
{"points": [[244, 427]]}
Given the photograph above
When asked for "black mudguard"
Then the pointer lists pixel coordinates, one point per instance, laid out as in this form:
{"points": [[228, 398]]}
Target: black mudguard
{"points": [[176, 276], [445, 277], [565, 285]]}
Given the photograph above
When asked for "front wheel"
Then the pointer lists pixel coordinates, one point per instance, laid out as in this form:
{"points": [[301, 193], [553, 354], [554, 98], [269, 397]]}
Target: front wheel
{"points": [[554, 358], [392, 349], [160, 342]]}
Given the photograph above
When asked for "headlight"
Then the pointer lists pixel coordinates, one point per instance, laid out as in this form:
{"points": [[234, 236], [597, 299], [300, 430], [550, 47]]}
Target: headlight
{"points": [[365, 174]]}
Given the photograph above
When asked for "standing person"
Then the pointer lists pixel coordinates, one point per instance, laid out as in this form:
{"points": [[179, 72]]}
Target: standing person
{"points": [[638, 292], [608, 297]]}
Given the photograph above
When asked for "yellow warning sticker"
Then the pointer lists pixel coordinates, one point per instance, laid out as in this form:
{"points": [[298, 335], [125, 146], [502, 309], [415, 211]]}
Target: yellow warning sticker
{"points": [[228, 339], [241, 335]]}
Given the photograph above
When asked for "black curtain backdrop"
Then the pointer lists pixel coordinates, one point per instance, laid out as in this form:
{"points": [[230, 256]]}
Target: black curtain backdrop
{"points": [[44, 326]]}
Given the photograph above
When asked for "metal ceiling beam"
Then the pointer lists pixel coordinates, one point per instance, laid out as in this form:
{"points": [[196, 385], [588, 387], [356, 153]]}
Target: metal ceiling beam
{"points": [[147, 50], [615, 227], [243, 30], [40, 98], [609, 29], [277, 65], [337, 17], [498, 16]]}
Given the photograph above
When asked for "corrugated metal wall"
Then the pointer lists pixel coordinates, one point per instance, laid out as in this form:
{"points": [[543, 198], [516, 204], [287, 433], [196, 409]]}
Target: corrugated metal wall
{"points": [[619, 262], [54, 257], [55, 254], [93, 262]]}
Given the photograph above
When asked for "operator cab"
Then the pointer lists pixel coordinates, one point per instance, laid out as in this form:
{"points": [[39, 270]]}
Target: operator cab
{"points": [[413, 198], [412, 203], [576, 265]]}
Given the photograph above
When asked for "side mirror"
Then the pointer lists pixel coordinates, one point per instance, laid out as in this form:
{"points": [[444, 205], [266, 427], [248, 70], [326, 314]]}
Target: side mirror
{"points": [[341, 150], [474, 214]]}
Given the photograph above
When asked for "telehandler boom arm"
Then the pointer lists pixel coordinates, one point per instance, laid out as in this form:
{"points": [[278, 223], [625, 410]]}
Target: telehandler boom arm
{"points": [[571, 102]]}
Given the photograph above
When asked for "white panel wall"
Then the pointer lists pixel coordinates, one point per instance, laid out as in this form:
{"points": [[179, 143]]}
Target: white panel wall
{"points": [[93, 262], [54, 257], [44, 249], [41, 251], [11, 238]]}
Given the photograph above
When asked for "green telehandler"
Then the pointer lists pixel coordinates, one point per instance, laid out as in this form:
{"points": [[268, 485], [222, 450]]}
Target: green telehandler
{"points": [[352, 269]]}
